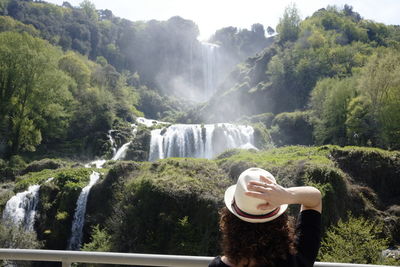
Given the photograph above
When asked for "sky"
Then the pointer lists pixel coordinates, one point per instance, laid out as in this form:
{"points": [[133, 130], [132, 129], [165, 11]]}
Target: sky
{"points": [[211, 15]]}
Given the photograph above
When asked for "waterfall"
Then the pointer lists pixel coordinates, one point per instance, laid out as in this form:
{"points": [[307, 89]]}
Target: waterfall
{"points": [[198, 141], [120, 154], [113, 145], [79, 216], [210, 57], [21, 208]]}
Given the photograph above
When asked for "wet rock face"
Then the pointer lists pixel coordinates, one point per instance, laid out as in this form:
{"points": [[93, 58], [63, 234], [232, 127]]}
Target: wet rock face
{"points": [[139, 148]]}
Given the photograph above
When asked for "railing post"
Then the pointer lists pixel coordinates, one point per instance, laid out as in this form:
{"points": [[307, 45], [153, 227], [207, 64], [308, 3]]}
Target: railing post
{"points": [[66, 264]]}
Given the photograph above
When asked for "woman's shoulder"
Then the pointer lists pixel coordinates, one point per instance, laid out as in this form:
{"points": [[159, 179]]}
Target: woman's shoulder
{"points": [[217, 262]]}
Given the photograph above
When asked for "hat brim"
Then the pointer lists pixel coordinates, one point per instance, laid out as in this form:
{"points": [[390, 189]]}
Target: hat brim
{"points": [[228, 198]]}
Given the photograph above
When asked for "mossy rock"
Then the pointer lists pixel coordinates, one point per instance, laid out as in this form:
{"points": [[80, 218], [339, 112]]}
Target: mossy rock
{"points": [[262, 138], [39, 165], [31, 178], [168, 206], [108, 192], [139, 148], [6, 192], [372, 167], [159, 221], [57, 204]]}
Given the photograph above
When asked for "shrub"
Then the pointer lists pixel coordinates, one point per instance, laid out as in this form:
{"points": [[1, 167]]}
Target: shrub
{"points": [[17, 237], [357, 240], [101, 240]]}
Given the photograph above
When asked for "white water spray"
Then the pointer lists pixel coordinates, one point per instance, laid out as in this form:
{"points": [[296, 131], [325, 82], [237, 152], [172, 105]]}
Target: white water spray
{"points": [[79, 216]]}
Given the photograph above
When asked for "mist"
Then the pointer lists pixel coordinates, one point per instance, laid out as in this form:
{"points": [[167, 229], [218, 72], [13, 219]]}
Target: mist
{"points": [[172, 61]]}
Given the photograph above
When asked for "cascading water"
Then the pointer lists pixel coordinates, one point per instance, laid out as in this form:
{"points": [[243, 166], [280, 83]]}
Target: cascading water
{"points": [[210, 57], [198, 141], [120, 154], [113, 145], [79, 216], [21, 208]]}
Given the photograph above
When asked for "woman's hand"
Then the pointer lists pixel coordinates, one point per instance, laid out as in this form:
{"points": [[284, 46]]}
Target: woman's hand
{"points": [[273, 194]]}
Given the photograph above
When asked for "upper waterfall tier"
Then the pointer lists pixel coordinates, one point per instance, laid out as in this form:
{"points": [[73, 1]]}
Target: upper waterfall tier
{"points": [[210, 68], [198, 141]]}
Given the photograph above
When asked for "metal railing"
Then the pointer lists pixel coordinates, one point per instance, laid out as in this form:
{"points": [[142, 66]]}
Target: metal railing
{"points": [[67, 257]]}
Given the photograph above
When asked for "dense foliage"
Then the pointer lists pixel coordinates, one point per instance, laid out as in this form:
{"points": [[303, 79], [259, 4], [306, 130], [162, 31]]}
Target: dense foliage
{"points": [[160, 51], [48, 96]]}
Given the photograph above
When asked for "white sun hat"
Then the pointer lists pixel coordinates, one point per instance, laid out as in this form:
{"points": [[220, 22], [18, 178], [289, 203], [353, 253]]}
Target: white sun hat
{"points": [[245, 207]]}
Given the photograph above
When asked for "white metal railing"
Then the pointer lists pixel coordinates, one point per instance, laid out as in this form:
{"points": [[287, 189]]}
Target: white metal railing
{"points": [[67, 257]]}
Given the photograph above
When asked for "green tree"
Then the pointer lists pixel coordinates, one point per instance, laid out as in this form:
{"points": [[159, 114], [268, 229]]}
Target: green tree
{"points": [[288, 27], [90, 10], [329, 100], [292, 128], [34, 94], [10, 24], [380, 83], [94, 113], [356, 240], [75, 67], [360, 124]]}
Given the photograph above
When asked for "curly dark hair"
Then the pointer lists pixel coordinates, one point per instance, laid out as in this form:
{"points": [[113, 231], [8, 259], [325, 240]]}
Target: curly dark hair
{"points": [[256, 244]]}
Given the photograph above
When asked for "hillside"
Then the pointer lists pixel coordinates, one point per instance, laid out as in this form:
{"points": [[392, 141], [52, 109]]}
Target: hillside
{"points": [[334, 72]]}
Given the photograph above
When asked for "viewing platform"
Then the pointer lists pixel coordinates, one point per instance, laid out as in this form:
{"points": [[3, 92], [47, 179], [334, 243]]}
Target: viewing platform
{"points": [[67, 257]]}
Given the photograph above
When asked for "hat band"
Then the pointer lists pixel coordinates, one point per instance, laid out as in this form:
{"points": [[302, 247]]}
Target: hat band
{"points": [[252, 216]]}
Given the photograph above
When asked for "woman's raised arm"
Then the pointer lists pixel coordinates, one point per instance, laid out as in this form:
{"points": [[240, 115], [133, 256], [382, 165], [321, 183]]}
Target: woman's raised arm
{"points": [[275, 195]]}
